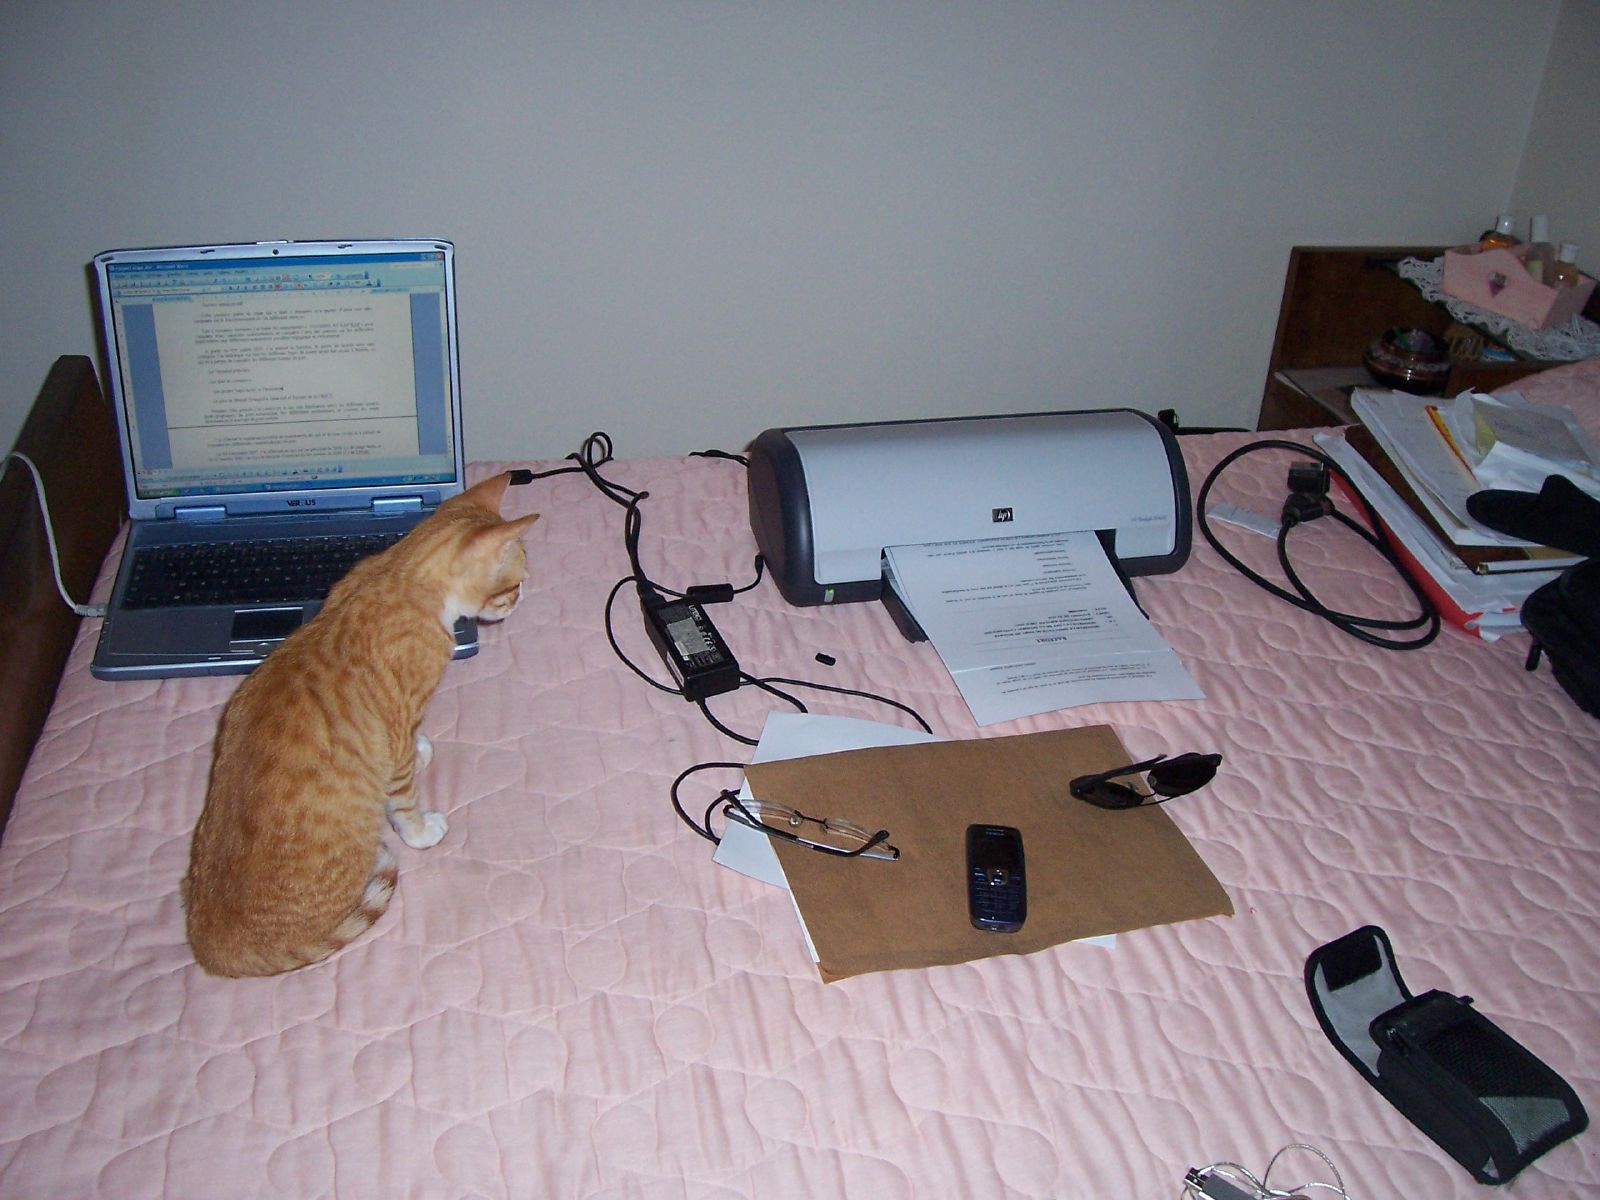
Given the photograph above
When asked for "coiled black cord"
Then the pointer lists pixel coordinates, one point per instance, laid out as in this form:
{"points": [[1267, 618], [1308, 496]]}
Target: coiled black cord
{"points": [[1301, 509]]}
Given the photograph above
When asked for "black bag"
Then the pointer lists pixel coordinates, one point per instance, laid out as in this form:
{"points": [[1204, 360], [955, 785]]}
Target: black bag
{"points": [[1457, 1076], [1564, 615], [1564, 618]]}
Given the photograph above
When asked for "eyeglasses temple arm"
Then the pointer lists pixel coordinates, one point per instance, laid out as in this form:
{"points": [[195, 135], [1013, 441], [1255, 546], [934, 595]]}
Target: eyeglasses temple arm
{"points": [[1133, 769], [877, 839]]}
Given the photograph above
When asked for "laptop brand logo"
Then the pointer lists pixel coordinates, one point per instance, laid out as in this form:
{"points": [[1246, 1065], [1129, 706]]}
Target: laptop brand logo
{"points": [[1002, 515], [306, 503]]}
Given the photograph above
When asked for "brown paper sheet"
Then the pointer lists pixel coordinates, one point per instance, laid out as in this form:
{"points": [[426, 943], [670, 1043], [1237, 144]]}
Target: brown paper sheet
{"points": [[1090, 871]]}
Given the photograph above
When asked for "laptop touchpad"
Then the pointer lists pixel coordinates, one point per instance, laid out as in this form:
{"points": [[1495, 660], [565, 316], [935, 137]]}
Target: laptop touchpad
{"points": [[265, 624]]}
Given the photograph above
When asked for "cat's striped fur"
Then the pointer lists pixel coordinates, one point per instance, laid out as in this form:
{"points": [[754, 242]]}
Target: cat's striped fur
{"points": [[322, 742]]}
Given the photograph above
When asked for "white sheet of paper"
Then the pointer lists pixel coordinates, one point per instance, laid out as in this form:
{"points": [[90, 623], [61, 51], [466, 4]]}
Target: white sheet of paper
{"points": [[797, 735], [1033, 624]]}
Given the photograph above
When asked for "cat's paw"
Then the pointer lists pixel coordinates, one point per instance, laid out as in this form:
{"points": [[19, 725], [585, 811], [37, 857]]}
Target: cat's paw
{"points": [[424, 753], [434, 827]]}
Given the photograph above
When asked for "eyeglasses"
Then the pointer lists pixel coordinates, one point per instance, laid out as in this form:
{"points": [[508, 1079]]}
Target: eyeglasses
{"points": [[1168, 778], [832, 835]]}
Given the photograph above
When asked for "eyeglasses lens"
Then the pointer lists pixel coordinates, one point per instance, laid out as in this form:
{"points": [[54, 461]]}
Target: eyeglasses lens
{"points": [[1110, 794], [1183, 774]]}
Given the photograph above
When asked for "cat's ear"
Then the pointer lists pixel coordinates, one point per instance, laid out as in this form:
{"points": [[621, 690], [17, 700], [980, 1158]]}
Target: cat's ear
{"points": [[517, 526], [493, 540], [489, 493]]}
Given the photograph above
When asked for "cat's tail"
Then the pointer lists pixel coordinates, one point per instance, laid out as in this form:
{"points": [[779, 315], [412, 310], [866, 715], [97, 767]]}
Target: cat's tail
{"points": [[232, 959], [373, 904]]}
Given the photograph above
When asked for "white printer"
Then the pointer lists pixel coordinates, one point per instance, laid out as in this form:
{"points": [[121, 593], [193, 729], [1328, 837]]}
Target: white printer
{"points": [[826, 499]]}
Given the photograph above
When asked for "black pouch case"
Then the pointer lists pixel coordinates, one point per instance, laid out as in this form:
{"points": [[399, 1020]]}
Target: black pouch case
{"points": [[1454, 1074], [1563, 617]]}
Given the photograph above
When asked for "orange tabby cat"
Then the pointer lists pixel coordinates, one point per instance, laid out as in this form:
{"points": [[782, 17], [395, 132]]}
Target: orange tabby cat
{"points": [[321, 741]]}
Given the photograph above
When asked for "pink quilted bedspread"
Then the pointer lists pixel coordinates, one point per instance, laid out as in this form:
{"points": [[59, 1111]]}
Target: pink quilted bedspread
{"points": [[569, 999]]}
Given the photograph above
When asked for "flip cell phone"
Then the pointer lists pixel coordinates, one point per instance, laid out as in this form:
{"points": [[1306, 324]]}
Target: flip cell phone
{"points": [[997, 890]]}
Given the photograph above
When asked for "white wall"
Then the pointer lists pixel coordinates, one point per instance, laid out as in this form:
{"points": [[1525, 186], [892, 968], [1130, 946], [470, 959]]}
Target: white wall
{"points": [[1560, 174], [686, 222]]}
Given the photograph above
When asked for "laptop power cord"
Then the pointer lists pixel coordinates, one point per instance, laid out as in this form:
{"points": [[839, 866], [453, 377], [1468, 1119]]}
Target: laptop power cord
{"points": [[83, 610]]}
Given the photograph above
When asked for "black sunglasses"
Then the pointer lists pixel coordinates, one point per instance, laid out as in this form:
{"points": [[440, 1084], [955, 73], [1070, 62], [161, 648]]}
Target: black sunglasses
{"points": [[1168, 777]]}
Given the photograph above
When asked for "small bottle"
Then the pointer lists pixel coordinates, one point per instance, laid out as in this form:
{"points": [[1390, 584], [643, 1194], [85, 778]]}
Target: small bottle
{"points": [[1540, 259], [1565, 272], [1500, 235]]}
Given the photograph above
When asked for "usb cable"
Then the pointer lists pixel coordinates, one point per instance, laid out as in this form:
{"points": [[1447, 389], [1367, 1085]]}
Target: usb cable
{"points": [[1209, 1184], [1230, 1181]]}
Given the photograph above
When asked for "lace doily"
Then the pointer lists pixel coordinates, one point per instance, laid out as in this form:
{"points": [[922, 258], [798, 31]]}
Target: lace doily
{"points": [[1578, 338]]}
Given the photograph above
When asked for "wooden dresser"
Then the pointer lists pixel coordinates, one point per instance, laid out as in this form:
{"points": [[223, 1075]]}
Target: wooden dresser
{"points": [[1336, 300]]}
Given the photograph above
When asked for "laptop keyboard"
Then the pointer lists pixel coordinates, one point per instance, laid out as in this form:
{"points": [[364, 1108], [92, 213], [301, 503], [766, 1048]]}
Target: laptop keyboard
{"points": [[253, 572]]}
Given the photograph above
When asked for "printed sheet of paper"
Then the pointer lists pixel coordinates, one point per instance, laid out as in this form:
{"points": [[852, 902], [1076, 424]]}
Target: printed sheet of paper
{"points": [[1033, 624]]}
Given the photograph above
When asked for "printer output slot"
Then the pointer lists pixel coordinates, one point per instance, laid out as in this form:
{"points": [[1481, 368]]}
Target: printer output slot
{"points": [[912, 631], [900, 614]]}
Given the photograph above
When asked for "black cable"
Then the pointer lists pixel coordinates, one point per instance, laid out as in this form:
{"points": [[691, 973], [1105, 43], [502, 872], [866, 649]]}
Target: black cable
{"points": [[677, 805], [590, 457], [766, 686], [1366, 534], [595, 452], [616, 648], [844, 691], [552, 472], [723, 729], [1301, 597], [738, 458]]}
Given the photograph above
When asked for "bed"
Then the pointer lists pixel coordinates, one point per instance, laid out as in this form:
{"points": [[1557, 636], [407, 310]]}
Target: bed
{"points": [[569, 998]]}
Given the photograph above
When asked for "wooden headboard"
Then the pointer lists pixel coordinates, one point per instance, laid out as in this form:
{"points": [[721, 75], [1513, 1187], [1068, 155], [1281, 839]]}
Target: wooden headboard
{"points": [[70, 436]]}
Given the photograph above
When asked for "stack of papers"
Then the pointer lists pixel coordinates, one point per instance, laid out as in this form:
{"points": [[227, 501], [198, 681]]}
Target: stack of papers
{"points": [[1033, 624], [1518, 446], [1417, 462]]}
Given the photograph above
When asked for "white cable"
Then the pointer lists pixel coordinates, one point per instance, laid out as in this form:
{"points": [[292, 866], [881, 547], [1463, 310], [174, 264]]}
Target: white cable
{"points": [[83, 610], [1337, 1186], [1230, 1181]]}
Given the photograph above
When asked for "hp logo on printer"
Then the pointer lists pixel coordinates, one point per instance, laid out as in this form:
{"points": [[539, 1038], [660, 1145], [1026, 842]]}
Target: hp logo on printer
{"points": [[1002, 515]]}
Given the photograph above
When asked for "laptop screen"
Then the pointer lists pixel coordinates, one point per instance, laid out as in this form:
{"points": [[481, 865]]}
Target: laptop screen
{"points": [[297, 368]]}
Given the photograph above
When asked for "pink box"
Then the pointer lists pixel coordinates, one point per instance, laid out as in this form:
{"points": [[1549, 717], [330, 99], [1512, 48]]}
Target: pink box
{"points": [[1497, 281]]}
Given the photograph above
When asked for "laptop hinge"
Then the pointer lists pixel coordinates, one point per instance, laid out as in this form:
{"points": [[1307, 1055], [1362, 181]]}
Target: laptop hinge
{"points": [[201, 512], [397, 504]]}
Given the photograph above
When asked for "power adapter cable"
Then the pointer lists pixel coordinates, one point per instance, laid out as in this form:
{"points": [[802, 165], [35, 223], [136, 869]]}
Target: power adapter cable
{"points": [[1309, 501], [1308, 493], [701, 663], [83, 610]]}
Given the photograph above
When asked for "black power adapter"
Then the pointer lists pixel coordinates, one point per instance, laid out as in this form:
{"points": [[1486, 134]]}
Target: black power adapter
{"points": [[690, 645]]}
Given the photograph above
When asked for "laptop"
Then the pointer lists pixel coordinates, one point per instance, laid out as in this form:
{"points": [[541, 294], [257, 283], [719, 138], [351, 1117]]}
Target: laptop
{"points": [[275, 401]]}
